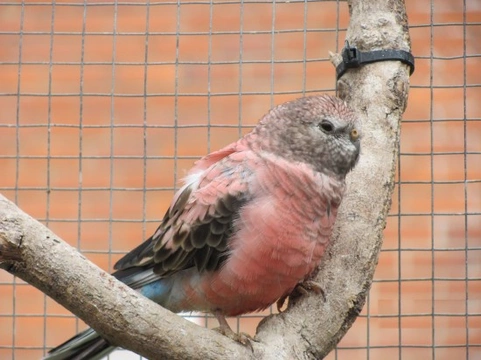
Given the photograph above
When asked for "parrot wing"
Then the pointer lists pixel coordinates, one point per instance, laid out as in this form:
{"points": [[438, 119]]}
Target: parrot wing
{"points": [[196, 229]]}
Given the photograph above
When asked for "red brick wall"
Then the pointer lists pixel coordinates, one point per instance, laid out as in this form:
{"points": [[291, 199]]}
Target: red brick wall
{"points": [[88, 122]]}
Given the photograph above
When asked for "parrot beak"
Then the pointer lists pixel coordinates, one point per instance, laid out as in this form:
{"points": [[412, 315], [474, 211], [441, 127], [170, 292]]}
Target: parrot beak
{"points": [[354, 135], [356, 141]]}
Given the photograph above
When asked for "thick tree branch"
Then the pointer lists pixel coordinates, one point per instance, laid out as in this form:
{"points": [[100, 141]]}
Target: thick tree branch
{"points": [[378, 93], [311, 327]]}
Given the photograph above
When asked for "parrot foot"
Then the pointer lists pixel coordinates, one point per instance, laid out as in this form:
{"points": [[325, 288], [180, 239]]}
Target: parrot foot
{"points": [[224, 329], [280, 303], [243, 338], [309, 285], [302, 288]]}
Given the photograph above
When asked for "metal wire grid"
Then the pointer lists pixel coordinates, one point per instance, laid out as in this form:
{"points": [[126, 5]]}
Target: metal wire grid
{"points": [[363, 341]]}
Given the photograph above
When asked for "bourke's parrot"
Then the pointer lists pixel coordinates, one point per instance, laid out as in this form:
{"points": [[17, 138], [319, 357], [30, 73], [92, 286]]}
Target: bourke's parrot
{"points": [[250, 223]]}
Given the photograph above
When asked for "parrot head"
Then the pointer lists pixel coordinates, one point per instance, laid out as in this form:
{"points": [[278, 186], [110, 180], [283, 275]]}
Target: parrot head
{"points": [[321, 131]]}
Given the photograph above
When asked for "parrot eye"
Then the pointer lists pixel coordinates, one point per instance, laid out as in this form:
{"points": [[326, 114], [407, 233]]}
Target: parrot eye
{"points": [[326, 126]]}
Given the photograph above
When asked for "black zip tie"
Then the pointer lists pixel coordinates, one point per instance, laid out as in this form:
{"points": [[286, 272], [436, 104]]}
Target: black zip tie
{"points": [[353, 58]]}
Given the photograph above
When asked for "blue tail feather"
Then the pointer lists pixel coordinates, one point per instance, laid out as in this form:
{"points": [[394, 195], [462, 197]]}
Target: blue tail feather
{"points": [[88, 345]]}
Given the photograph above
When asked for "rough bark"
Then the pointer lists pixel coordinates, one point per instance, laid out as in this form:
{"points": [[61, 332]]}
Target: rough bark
{"points": [[312, 325], [378, 93], [32, 252]]}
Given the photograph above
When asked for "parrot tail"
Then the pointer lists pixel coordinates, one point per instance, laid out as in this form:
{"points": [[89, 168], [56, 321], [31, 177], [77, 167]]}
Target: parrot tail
{"points": [[86, 345]]}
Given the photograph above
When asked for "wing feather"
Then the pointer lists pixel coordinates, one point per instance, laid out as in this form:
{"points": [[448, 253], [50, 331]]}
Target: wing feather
{"points": [[196, 228]]}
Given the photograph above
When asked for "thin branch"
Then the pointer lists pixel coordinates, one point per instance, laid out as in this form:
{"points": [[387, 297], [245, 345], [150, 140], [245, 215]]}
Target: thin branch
{"points": [[32, 252]]}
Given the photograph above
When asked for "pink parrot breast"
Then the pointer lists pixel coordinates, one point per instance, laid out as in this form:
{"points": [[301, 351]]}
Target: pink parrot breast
{"points": [[280, 239]]}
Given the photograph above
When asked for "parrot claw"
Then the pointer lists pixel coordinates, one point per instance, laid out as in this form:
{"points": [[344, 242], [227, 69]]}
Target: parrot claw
{"points": [[242, 338], [280, 303], [224, 329], [309, 285], [302, 288]]}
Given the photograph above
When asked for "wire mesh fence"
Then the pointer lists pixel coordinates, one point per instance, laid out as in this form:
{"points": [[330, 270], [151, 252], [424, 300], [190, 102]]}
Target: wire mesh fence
{"points": [[105, 105]]}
